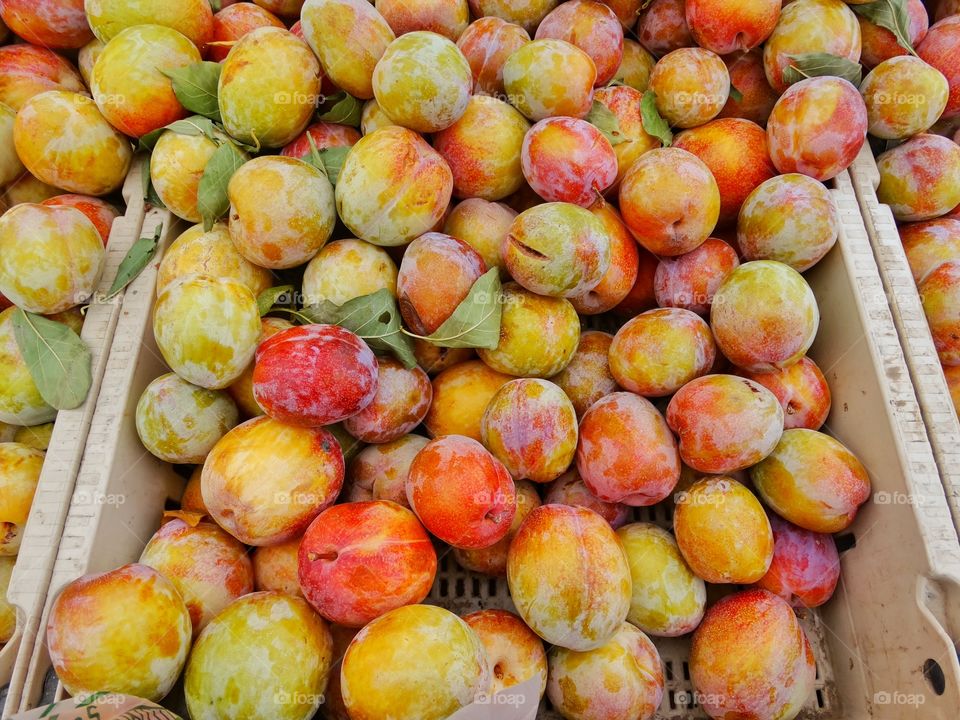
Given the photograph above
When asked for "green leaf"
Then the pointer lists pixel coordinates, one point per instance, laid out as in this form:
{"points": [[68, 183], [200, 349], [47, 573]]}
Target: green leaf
{"points": [[193, 125], [196, 87], [653, 123], [58, 360], [268, 298], [137, 258], [735, 94], [601, 117], [891, 15], [333, 159], [374, 317], [476, 321], [808, 65], [215, 5], [342, 109], [329, 161], [150, 192], [212, 201]]}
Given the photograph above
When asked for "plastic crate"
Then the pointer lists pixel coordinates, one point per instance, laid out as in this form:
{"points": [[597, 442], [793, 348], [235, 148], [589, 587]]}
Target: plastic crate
{"points": [[41, 535], [885, 644], [939, 414]]}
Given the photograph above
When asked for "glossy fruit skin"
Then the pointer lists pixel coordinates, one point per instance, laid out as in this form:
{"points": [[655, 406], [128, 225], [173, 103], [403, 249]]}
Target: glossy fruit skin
{"points": [[193, 18], [487, 43], [821, 495], [591, 26], [723, 531], [95, 163], [626, 452], [587, 377], [419, 659], [358, 561], [232, 22], [904, 97], [752, 423], [568, 160], [207, 329], [764, 316], [920, 179], [668, 598], [20, 468], [128, 83], [61, 264], [670, 201], [475, 514], [530, 426], [827, 26], [349, 37], [515, 652], [393, 171], [290, 227], [766, 673], [557, 249], [817, 127], [805, 567], [402, 400], [492, 560], [692, 86], [802, 391], [225, 676], [268, 88], [180, 422], [265, 482], [939, 48], [691, 280], [94, 656], [423, 64], [727, 28], [208, 567], [528, 83], [296, 378], [579, 682], [568, 576]]}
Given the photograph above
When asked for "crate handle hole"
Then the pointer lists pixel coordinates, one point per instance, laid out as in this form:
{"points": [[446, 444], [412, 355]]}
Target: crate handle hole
{"points": [[934, 675], [845, 542]]}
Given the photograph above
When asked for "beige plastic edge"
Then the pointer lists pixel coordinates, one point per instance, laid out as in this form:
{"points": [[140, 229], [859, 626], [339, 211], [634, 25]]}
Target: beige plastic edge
{"points": [[902, 605], [41, 538], [939, 415]]}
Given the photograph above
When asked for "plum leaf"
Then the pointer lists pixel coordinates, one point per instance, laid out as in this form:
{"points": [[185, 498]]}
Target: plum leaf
{"points": [[735, 94], [476, 321], [212, 201], [603, 119], [196, 87], [329, 161], [374, 317], [808, 65], [193, 125], [269, 297], [342, 109], [58, 360], [652, 121], [149, 191], [891, 15], [137, 258]]}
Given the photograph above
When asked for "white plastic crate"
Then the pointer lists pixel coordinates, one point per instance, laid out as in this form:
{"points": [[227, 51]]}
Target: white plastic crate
{"points": [[939, 414], [885, 644], [41, 536]]}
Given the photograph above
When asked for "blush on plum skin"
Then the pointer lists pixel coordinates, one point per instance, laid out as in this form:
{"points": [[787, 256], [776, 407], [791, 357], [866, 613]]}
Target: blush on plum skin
{"points": [[314, 375], [474, 513], [360, 560]]}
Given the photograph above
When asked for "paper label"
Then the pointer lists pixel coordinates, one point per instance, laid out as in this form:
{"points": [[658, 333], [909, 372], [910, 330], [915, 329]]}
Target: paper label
{"points": [[100, 706]]}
